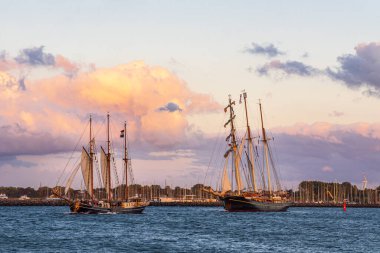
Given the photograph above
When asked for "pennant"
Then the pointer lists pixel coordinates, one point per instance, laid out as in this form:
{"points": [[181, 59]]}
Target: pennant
{"points": [[227, 123], [227, 152], [240, 98], [122, 134]]}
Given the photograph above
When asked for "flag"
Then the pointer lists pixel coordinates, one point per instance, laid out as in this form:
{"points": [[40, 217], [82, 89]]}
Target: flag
{"points": [[227, 152], [240, 99], [122, 134], [227, 123]]}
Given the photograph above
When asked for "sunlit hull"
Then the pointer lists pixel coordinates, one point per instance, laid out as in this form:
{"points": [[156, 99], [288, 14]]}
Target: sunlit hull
{"points": [[85, 208]]}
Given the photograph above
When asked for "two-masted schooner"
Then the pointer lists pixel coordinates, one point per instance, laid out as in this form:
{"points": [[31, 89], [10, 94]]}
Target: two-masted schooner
{"points": [[92, 204], [240, 189]]}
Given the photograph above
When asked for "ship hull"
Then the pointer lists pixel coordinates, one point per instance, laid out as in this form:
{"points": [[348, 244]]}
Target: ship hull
{"points": [[84, 208], [242, 204]]}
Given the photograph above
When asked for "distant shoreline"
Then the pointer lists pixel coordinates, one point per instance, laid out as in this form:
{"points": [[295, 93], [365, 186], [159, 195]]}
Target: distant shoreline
{"points": [[45, 202]]}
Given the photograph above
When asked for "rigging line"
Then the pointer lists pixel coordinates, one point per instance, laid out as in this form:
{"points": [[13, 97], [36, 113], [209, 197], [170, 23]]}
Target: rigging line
{"points": [[99, 128], [249, 165], [219, 163], [274, 170], [123, 175], [213, 151], [261, 165], [100, 182], [76, 145], [244, 170], [113, 154], [129, 158], [220, 172], [68, 174], [276, 160]]}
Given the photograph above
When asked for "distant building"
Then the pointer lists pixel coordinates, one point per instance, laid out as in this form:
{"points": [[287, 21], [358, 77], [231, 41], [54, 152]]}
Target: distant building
{"points": [[3, 196]]}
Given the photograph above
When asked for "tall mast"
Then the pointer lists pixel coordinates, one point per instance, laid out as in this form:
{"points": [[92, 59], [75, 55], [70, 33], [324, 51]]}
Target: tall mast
{"points": [[108, 157], [91, 162], [126, 160], [265, 140], [250, 145], [234, 145]]}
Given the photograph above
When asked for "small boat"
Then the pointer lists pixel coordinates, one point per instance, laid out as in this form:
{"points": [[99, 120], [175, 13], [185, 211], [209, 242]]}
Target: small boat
{"points": [[92, 204], [242, 158]]}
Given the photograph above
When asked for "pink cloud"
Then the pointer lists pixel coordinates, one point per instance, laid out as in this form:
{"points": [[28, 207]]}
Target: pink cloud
{"points": [[60, 105], [327, 169], [64, 63], [327, 131]]}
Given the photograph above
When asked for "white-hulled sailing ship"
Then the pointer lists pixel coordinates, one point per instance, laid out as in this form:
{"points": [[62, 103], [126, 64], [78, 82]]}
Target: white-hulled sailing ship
{"points": [[240, 189], [109, 203]]}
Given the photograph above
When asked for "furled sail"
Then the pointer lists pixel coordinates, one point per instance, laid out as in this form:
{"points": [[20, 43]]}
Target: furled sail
{"points": [[104, 167], [71, 178], [86, 167], [226, 184]]}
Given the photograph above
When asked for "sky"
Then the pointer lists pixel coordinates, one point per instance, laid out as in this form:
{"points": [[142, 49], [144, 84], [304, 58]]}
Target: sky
{"points": [[167, 68]]}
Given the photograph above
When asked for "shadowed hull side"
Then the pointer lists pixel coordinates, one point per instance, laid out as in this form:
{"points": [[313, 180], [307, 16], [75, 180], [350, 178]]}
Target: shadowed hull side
{"points": [[241, 204]]}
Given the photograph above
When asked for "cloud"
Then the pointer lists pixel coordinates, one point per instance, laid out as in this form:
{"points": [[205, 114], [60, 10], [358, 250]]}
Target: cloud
{"points": [[5, 63], [35, 56], [173, 154], [288, 67], [268, 50], [336, 114], [361, 69], [327, 169], [170, 107], [60, 106], [326, 131], [70, 68], [9, 85], [17, 141], [2, 55], [350, 149]]}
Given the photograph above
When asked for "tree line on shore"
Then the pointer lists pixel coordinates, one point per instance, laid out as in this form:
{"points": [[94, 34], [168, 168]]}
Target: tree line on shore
{"points": [[308, 192], [150, 192], [334, 192]]}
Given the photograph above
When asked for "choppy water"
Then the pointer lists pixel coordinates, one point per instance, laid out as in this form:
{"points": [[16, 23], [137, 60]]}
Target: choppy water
{"points": [[189, 229]]}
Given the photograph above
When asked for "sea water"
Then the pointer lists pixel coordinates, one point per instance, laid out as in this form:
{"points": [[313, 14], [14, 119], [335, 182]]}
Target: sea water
{"points": [[190, 229]]}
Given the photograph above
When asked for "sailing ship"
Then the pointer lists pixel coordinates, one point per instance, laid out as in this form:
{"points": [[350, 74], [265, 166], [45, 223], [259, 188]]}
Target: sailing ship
{"points": [[241, 161], [110, 203]]}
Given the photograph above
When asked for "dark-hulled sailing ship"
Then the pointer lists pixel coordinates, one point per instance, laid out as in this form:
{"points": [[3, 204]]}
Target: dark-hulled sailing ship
{"points": [[93, 204], [242, 157]]}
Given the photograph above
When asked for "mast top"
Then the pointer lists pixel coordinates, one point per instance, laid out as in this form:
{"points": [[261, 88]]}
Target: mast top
{"points": [[244, 93]]}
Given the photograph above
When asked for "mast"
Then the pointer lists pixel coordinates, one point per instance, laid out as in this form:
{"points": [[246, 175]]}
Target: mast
{"points": [[265, 140], [126, 160], [91, 162], [235, 158], [250, 145], [108, 158]]}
